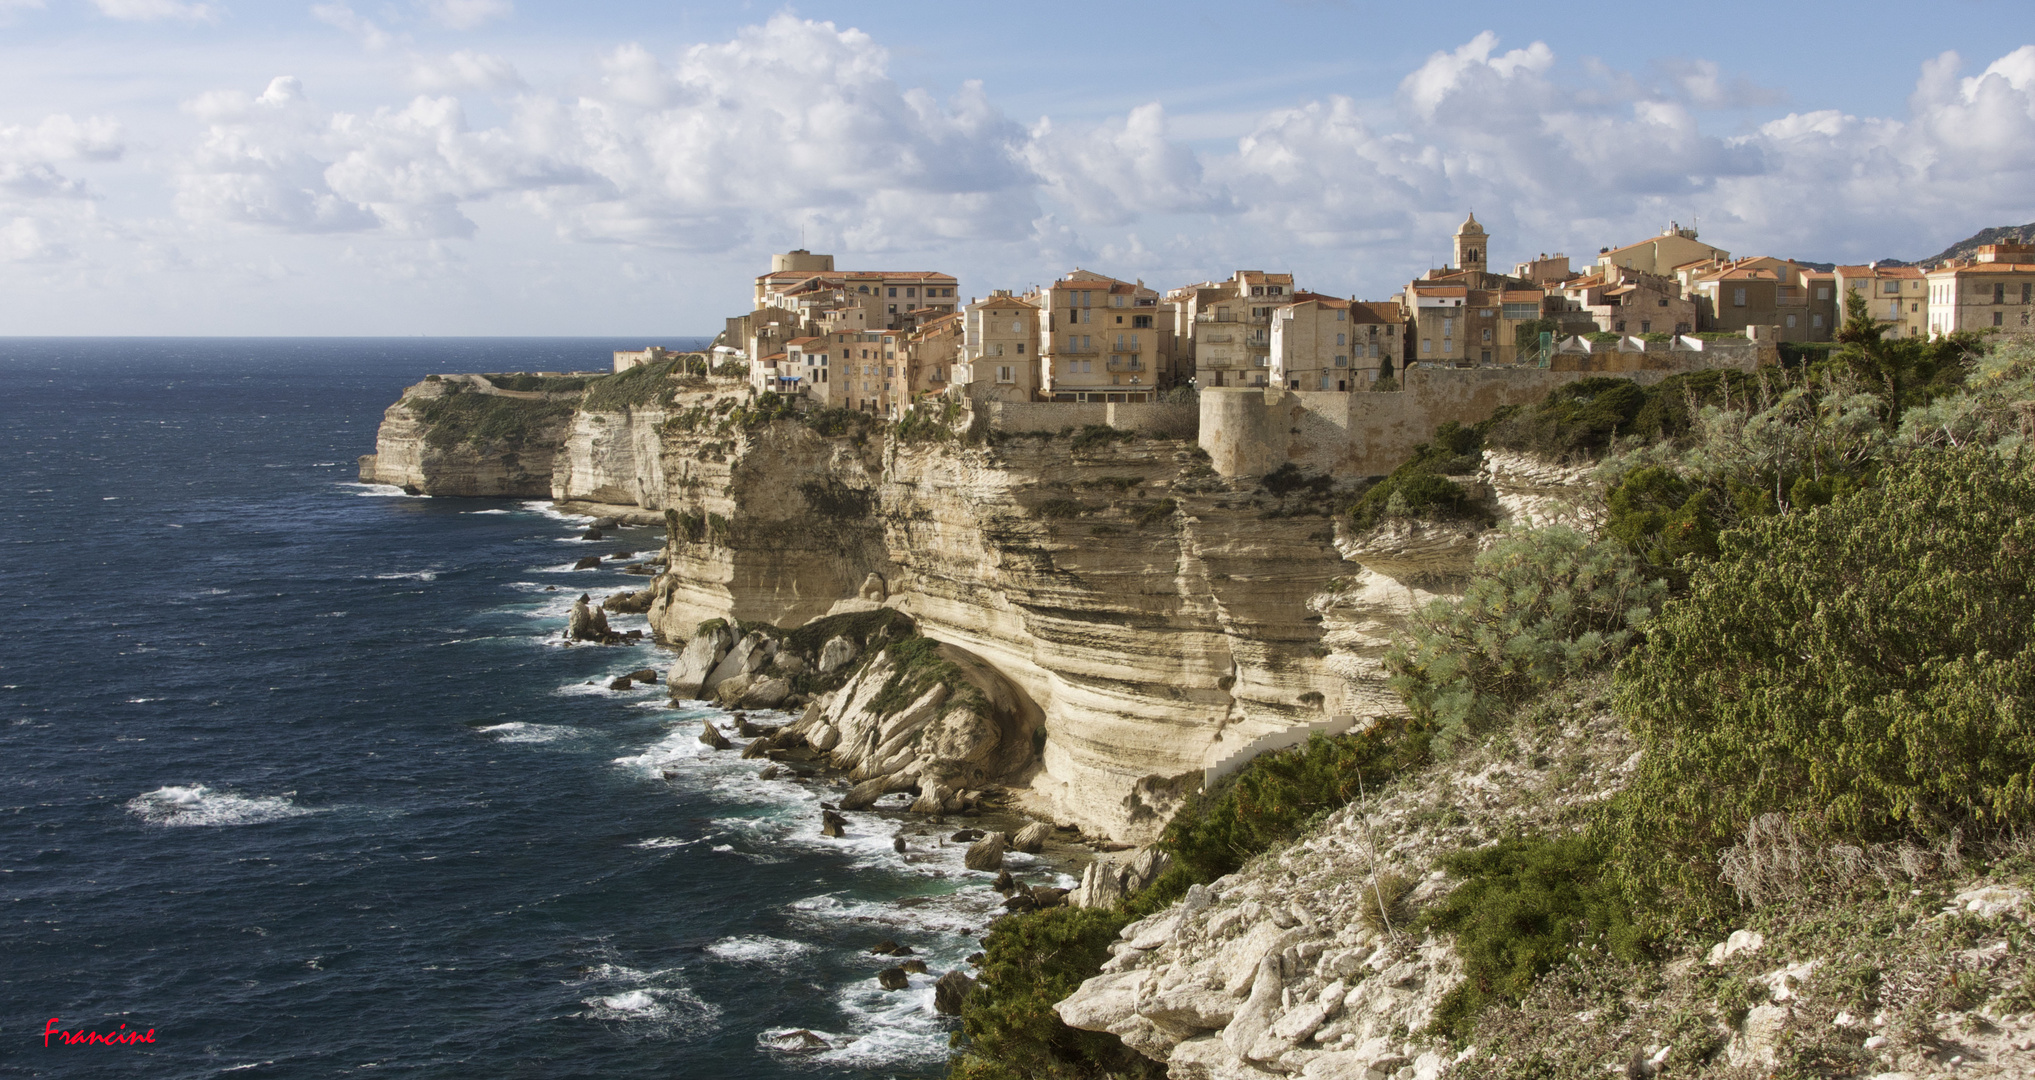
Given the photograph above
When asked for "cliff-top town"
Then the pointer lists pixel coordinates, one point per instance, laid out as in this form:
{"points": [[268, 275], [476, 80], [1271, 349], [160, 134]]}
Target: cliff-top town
{"points": [[875, 340]]}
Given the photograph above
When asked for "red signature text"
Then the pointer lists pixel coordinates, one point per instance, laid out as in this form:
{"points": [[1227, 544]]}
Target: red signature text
{"points": [[126, 1036]]}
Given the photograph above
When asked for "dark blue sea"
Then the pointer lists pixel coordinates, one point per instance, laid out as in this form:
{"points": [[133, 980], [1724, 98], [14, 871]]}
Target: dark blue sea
{"points": [[296, 772]]}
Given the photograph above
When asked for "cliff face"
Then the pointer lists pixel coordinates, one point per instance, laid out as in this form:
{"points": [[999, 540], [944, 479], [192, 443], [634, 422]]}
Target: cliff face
{"points": [[460, 435], [1159, 616]]}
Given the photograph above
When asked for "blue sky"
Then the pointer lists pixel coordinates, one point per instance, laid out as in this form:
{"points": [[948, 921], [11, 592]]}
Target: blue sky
{"points": [[511, 167]]}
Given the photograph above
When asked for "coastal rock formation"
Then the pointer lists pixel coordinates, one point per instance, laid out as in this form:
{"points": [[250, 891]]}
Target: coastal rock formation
{"points": [[463, 435]]}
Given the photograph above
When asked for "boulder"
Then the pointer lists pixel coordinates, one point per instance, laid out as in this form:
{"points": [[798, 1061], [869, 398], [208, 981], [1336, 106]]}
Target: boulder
{"points": [[588, 563], [769, 772], [915, 967], [798, 1041], [873, 588], [951, 992], [588, 623], [760, 692], [622, 683], [747, 656], [832, 824], [968, 836], [625, 602], [986, 854], [892, 978], [886, 947], [1047, 896], [592, 534], [702, 654], [606, 523], [712, 736], [1032, 838], [864, 795], [1004, 882], [644, 675], [837, 652], [623, 555]]}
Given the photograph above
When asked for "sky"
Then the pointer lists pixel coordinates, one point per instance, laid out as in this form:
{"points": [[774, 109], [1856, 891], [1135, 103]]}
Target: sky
{"points": [[512, 167]]}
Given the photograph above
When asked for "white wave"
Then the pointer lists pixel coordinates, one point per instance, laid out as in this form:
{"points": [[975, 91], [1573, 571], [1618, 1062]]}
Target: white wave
{"points": [[142, 700], [551, 510], [483, 511], [654, 1004], [324, 464], [758, 949], [515, 731], [379, 491], [413, 575], [660, 843], [200, 805]]}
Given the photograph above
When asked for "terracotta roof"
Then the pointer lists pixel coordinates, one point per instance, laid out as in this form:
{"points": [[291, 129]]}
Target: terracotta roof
{"points": [[1518, 296], [1880, 272], [802, 341], [1440, 290], [999, 301], [1989, 268], [1380, 311]]}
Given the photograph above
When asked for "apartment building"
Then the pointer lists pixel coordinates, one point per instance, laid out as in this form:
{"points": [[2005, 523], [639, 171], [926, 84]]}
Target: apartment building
{"points": [[999, 358], [1994, 290], [1328, 343], [1103, 339], [852, 369], [1621, 300], [1231, 327], [931, 352], [1675, 246], [802, 281], [1895, 295]]}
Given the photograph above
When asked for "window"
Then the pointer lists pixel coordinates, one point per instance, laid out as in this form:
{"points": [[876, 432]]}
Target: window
{"points": [[1426, 345], [1791, 322], [1342, 360], [1892, 288], [1999, 296], [1816, 321], [1738, 297], [1342, 316], [1485, 356], [1646, 325], [893, 293], [1822, 292], [1914, 309], [1141, 322], [1521, 311], [1021, 348], [1119, 320], [864, 290], [1619, 326], [1996, 317], [1662, 302], [1339, 340], [2026, 289], [1487, 336], [1003, 374], [911, 292], [1275, 290]]}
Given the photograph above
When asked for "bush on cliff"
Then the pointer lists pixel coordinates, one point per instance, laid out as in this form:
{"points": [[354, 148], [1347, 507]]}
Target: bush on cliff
{"points": [[1865, 669], [481, 420], [1009, 1030], [642, 385], [1541, 606], [1421, 488]]}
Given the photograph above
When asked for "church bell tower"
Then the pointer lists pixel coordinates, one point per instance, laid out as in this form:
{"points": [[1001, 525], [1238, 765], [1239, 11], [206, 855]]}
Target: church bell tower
{"points": [[1472, 246]]}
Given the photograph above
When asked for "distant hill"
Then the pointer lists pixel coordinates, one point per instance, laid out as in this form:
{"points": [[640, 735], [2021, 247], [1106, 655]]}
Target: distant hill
{"points": [[1965, 247]]}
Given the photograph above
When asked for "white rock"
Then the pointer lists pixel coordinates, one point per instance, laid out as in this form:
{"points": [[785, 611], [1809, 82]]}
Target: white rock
{"points": [[1102, 1001], [1784, 981], [1258, 1011], [1993, 901], [1739, 941], [1876, 1042]]}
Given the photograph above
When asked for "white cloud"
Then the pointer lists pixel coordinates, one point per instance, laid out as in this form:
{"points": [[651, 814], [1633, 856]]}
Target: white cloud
{"points": [[468, 14], [1112, 174], [464, 70], [344, 18], [154, 10]]}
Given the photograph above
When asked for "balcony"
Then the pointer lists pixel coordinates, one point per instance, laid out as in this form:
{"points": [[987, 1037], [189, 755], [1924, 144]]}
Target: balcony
{"points": [[1126, 365], [1129, 345], [1074, 350], [1210, 316]]}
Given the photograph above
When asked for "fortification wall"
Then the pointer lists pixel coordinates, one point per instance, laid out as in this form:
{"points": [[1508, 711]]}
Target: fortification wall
{"points": [[1253, 431], [1163, 419]]}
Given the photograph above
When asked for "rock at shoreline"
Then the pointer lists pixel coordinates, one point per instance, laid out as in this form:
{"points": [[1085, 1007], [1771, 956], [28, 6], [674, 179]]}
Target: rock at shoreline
{"points": [[986, 854], [769, 772], [1032, 838], [622, 683], [712, 736], [591, 534], [893, 978], [622, 555], [605, 523], [799, 1041], [886, 947], [864, 795], [835, 654], [897, 843], [644, 675], [702, 654], [915, 967], [626, 602], [951, 992], [832, 824], [588, 623], [745, 657], [588, 563]]}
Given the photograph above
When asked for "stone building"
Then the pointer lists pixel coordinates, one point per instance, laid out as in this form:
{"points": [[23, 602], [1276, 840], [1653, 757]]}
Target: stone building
{"points": [[999, 358], [1675, 246], [1994, 290], [1761, 291], [1225, 327], [1895, 295], [931, 352], [1102, 339], [1625, 301]]}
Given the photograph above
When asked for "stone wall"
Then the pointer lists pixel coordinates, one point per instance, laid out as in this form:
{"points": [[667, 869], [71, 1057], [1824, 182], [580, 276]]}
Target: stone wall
{"points": [[1164, 419], [1251, 431]]}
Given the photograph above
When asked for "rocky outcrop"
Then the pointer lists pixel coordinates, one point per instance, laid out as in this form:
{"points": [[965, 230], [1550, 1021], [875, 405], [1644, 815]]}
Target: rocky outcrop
{"points": [[461, 435], [1307, 962]]}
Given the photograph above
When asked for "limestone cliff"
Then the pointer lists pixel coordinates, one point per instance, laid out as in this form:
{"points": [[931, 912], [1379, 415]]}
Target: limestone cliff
{"points": [[463, 435]]}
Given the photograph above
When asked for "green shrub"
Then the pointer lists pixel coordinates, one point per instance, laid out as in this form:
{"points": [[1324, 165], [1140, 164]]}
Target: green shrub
{"points": [[765, 408], [1099, 436], [838, 422], [1274, 796], [642, 385], [1420, 488], [1061, 509], [1009, 1030], [1153, 511], [1523, 906], [1541, 606], [547, 384], [486, 420], [1864, 668], [1289, 478]]}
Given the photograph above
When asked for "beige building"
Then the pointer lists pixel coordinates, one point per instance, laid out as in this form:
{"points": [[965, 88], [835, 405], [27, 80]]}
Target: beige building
{"points": [[854, 369], [931, 353], [807, 283], [1000, 359], [1994, 290], [1230, 324], [1454, 326], [1896, 295], [1762, 291], [1623, 301], [628, 358], [1327, 343], [1675, 246], [1103, 340]]}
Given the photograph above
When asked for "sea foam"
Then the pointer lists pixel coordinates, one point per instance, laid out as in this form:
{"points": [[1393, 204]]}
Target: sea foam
{"points": [[200, 805]]}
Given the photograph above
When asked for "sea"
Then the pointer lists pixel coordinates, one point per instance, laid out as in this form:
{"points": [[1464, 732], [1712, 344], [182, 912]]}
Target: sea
{"points": [[298, 774]]}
